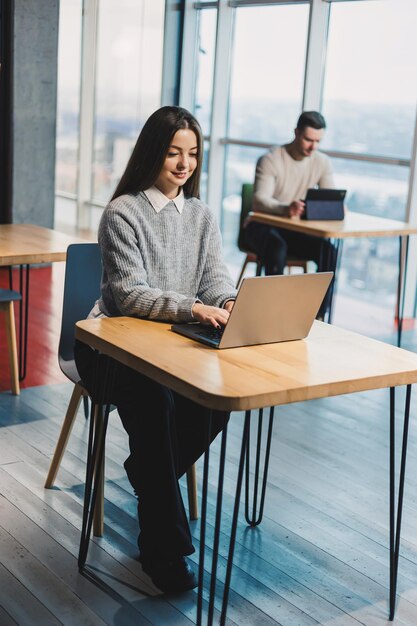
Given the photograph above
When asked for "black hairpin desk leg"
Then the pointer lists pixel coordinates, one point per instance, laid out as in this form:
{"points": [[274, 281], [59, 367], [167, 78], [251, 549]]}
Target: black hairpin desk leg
{"points": [[216, 539], [254, 518], [395, 520], [95, 455], [338, 246], [103, 374], [402, 275]]}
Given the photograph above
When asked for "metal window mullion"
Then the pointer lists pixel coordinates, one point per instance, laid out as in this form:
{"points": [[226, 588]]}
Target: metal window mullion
{"points": [[189, 56], [330, 1], [410, 287], [205, 5], [219, 108], [253, 3], [369, 158], [337, 154], [88, 71], [171, 61], [316, 55]]}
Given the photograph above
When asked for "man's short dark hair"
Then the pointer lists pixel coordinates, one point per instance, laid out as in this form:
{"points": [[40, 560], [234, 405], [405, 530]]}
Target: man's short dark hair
{"points": [[312, 119]]}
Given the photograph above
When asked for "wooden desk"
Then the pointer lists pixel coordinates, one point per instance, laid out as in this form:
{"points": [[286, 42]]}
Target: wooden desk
{"points": [[25, 244], [22, 244], [354, 225], [329, 362]]}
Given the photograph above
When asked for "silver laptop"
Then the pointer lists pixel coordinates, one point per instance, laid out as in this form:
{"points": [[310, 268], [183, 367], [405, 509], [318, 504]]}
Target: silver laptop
{"points": [[268, 309]]}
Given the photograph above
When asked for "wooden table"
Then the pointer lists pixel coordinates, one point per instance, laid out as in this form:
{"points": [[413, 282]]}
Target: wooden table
{"points": [[354, 225], [25, 244], [329, 362]]}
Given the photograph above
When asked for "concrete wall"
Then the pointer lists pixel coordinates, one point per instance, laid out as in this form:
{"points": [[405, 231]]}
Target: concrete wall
{"points": [[34, 116]]}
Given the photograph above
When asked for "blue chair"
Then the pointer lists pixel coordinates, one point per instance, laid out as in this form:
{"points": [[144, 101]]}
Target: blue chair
{"points": [[7, 297], [81, 289]]}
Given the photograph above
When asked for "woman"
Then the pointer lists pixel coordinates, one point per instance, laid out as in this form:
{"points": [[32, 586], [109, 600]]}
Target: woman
{"points": [[161, 251]]}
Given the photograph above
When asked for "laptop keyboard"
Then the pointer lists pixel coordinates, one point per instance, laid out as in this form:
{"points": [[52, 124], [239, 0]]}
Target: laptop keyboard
{"points": [[209, 332]]}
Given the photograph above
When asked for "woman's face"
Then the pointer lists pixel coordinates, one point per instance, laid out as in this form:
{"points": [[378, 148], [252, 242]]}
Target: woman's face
{"points": [[180, 163]]}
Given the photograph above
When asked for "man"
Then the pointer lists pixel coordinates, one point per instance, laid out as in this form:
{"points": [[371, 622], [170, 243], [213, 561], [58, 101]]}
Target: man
{"points": [[282, 178]]}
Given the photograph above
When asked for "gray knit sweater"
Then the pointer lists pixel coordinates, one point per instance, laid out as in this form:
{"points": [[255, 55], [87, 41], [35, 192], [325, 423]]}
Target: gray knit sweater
{"points": [[156, 265]]}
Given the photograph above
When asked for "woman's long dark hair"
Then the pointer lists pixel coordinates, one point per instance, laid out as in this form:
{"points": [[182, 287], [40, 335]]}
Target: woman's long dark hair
{"points": [[151, 148]]}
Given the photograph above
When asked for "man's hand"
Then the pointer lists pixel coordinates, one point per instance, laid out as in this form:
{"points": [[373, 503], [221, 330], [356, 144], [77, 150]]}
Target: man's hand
{"points": [[210, 315], [296, 208]]}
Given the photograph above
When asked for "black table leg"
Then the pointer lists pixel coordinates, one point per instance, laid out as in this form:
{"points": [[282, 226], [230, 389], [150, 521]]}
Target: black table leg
{"points": [[95, 452], [338, 247], [216, 539], [255, 518], [103, 379], [203, 526], [395, 520], [402, 275]]}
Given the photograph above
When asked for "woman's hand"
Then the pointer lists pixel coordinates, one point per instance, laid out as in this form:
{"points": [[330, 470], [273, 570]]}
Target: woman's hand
{"points": [[210, 315], [229, 305]]}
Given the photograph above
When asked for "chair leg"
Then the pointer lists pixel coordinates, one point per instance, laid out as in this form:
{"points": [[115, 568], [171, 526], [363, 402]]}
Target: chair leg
{"points": [[297, 263], [98, 516], [11, 344], [66, 428], [98, 519], [192, 493]]}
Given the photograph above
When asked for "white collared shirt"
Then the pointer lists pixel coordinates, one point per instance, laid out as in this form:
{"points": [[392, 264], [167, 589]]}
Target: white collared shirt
{"points": [[159, 201]]}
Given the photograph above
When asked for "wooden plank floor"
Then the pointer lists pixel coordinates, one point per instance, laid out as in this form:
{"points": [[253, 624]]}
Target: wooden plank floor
{"points": [[319, 557]]}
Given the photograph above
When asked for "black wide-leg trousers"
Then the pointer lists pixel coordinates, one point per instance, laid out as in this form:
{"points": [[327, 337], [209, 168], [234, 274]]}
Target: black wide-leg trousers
{"points": [[167, 434]]}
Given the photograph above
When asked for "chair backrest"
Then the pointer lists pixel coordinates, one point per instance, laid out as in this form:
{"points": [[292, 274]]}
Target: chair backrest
{"points": [[81, 290], [247, 196]]}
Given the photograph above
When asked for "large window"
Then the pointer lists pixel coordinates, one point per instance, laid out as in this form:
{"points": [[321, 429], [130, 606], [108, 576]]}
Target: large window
{"points": [[266, 93], [128, 83], [354, 60], [267, 71], [68, 106], [110, 74], [370, 90], [369, 102]]}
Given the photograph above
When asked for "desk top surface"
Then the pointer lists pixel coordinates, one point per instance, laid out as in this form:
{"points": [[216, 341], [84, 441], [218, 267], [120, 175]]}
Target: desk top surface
{"points": [[354, 225], [27, 243], [330, 361]]}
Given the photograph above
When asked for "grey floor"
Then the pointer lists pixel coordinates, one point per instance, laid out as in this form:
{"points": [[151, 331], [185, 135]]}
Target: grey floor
{"points": [[319, 557]]}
